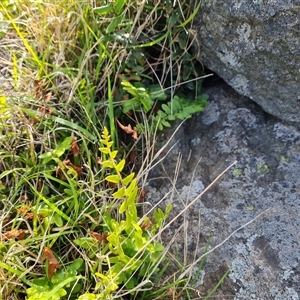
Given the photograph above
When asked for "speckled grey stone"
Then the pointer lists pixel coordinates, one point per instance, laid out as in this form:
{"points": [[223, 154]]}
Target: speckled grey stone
{"points": [[255, 47], [211, 113], [263, 256]]}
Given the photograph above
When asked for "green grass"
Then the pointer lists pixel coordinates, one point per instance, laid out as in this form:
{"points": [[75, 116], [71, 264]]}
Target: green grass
{"points": [[70, 227]]}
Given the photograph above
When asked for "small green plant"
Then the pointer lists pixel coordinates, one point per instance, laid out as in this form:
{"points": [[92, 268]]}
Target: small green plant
{"points": [[120, 248], [129, 252], [178, 108], [59, 285]]}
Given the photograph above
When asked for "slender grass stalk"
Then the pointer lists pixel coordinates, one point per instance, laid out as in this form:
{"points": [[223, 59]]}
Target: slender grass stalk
{"points": [[192, 16], [217, 285], [111, 114]]}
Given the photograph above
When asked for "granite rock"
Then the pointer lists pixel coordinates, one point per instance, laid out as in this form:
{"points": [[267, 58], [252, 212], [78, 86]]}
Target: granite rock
{"points": [[255, 47]]}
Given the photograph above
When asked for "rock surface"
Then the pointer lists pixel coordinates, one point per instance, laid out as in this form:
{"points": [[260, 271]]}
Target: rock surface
{"points": [[255, 47], [264, 255]]}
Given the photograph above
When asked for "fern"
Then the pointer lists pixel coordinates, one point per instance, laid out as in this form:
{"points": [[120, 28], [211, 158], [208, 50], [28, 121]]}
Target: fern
{"points": [[178, 108]]}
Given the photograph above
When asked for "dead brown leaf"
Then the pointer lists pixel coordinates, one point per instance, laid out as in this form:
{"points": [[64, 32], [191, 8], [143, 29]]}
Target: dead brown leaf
{"points": [[128, 129], [64, 167], [15, 234], [25, 211], [45, 111], [74, 147], [172, 292], [142, 195], [111, 185], [98, 236], [53, 264], [39, 87], [22, 210], [23, 198], [146, 224], [48, 97]]}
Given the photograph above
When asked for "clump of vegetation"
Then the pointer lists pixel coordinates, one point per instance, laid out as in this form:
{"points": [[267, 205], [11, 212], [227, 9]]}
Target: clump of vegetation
{"points": [[70, 227], [118, 246]]}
